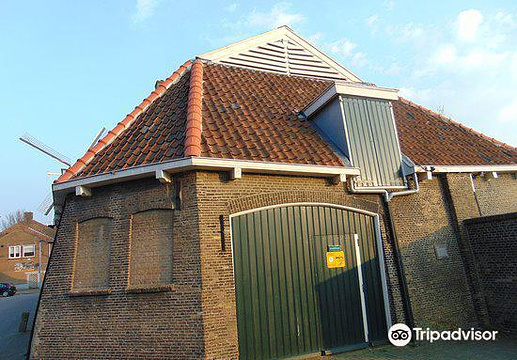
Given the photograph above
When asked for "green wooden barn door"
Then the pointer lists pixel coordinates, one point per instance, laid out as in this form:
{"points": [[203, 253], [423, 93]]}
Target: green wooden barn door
{"points": [[288, 302]]}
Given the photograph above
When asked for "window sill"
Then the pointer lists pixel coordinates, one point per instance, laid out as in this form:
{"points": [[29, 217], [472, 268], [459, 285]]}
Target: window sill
{"points": [[143, 289], [89, 292]]}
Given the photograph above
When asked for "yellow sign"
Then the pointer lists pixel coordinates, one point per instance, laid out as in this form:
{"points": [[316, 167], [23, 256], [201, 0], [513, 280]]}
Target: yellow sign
{"points": [[335, 259]]}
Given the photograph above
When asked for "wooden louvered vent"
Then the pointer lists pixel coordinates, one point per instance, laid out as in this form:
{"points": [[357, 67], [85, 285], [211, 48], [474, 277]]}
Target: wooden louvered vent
{"points": [[286, 57], [281, 51]]}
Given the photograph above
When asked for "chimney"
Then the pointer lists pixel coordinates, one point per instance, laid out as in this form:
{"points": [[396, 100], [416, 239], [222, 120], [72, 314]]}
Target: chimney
{"points": [[28, 216]]}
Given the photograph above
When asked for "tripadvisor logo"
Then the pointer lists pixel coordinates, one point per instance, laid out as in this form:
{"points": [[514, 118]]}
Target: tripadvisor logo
{"points": [[401, 334]]}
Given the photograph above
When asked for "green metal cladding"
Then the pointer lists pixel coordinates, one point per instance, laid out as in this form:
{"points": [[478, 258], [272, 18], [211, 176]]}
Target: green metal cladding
{"points": [[373, 141]]}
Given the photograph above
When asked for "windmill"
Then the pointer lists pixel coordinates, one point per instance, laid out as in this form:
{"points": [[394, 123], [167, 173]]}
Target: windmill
{"points": [[48, 203]]}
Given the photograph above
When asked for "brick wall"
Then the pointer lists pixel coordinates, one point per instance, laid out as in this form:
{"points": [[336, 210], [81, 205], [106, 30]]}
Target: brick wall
{"points": [[195, 316], [493, 240], [496, 196], [92, 254], [151, 246], [439, 291], [120, 323], [218, 196]]}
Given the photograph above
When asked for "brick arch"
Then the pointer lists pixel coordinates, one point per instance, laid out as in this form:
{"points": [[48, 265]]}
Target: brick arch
{"points": [[286, 197]]}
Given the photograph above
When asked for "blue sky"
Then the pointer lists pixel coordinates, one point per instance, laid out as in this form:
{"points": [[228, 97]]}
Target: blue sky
{"points": [[67, 68]]}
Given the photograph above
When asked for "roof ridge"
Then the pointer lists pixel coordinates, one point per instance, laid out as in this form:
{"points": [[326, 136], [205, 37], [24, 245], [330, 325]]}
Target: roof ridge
{"points": [[160, 89], [464, 127], [194, 124], [27, 225]]}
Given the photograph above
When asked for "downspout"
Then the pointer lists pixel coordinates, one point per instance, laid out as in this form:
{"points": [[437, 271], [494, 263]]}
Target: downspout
{"points": [[387, 196], [406, 192]]}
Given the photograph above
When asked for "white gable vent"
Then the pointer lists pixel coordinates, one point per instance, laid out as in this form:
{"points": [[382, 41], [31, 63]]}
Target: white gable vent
{"points": [[281, 51]]}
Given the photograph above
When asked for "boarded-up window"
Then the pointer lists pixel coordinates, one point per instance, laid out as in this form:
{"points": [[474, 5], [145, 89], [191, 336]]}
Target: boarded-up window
{"points": [[92, 255], [151, 248]]}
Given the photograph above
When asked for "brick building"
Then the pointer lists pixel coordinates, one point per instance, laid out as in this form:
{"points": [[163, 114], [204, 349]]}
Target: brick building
{"points": [[207, 222], [22, 247]]}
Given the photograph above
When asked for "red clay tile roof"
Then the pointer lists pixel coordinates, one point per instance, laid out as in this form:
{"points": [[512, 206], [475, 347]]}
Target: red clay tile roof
{"points": [[252, 115], [432, 139], [156, 135], [96, 150]]}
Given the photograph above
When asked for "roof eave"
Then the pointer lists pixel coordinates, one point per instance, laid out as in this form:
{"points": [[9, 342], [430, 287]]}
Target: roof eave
{"points": [[204, 163], [499, 168]]}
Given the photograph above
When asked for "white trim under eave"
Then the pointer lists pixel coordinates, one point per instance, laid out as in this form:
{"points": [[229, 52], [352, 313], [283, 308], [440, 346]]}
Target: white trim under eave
{"points": [[510, 168], [203, 163]]}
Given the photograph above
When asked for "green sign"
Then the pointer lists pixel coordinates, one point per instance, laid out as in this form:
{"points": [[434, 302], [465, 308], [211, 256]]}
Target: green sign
{"points": [[334, 248]]}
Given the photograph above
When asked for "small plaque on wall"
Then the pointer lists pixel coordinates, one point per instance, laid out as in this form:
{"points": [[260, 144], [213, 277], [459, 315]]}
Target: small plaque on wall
{"points": [[441, 251]]}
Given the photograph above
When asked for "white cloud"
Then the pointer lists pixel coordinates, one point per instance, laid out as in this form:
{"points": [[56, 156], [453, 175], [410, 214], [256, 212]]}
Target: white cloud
{"points": [[231, 7], [468, 23], [238, 25], [315, 38], [347, 50], [144, 10], [468, 65], [447, 54], [342, 47], [406, 32], [372, 20], [389, 4], [278, 15], [372, 23], [504, 18], [508, 114]]}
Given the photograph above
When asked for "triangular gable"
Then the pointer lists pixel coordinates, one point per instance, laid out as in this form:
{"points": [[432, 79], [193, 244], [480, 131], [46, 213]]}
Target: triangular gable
{"points": [[281, 51]]}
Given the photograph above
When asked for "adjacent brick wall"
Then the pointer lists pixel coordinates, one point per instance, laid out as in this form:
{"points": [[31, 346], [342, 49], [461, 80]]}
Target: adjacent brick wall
{"points": [[496, 196], [463, 205], [124, 324], [493, 240], [440, 295]]}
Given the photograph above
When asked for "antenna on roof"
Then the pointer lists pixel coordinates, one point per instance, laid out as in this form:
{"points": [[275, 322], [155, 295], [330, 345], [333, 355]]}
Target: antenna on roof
{"points": [[98, 137], [38, 145]]}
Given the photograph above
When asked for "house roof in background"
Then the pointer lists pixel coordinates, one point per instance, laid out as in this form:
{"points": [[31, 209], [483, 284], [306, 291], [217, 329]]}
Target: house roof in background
{"points": [[32, 226]]}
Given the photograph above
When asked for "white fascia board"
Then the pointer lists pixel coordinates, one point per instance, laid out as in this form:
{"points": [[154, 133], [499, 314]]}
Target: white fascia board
{"points": [[350, 89], [265, 167], [202, 163], [510, 168]]}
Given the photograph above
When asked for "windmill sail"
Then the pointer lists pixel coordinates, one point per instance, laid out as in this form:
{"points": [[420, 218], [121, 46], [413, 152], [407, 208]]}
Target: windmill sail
{"points": [[38, 145]]}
